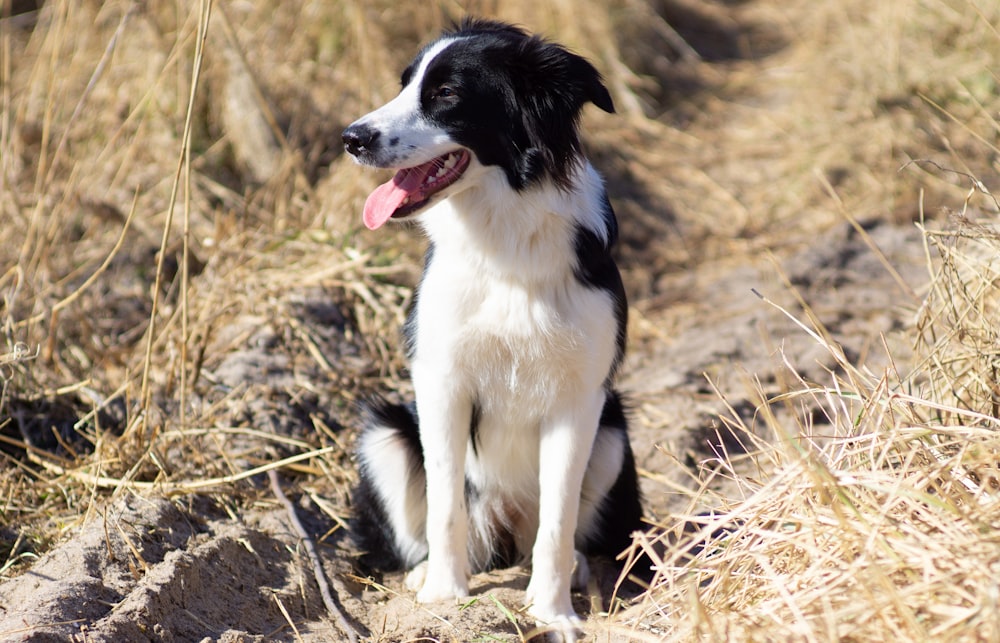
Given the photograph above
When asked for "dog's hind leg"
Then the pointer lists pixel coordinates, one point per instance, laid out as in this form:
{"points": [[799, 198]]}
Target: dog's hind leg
{"points": [[610, 501], [389, 502]]}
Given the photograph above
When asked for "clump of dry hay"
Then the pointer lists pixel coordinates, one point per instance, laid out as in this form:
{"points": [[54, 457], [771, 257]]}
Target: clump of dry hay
{"points": [[141, 248], [877, 513], [957, 327]]}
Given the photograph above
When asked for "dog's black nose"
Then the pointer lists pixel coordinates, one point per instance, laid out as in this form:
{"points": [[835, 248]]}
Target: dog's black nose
{"points": [[360, 138]]}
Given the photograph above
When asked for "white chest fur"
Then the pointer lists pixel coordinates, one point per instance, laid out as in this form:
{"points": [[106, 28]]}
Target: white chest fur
{"points": [[501, 315]]}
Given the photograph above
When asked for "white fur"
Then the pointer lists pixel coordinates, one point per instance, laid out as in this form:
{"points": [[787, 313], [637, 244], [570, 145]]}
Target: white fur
{"points": [[501, 316]]}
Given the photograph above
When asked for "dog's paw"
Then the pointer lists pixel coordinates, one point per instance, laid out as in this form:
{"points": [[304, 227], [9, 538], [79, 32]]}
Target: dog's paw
{"points": [[438, 586], [556, 617], [436, 590], [562, 628], [415, 577]]}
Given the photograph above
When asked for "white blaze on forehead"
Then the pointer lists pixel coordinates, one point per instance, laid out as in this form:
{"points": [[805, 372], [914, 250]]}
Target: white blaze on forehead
{"points": [[430, 55], [404, 110]]}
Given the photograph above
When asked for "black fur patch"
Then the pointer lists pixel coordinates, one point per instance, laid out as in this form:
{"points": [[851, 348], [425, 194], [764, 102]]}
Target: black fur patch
{"points": [[596, 268], [512, 98]]}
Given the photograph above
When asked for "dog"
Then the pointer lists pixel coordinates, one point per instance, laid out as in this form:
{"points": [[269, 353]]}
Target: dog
{"points": [[517, 445]]}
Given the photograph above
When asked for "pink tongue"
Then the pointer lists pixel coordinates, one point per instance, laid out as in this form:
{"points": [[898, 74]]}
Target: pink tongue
{"points": [[388, 197]]}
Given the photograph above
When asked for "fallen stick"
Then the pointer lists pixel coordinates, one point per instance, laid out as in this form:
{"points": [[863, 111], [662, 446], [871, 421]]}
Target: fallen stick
{"points": [[324, 587]]}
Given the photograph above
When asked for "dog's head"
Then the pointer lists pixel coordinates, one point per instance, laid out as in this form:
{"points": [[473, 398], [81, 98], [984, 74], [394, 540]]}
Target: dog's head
{"points": [[485, 94]]}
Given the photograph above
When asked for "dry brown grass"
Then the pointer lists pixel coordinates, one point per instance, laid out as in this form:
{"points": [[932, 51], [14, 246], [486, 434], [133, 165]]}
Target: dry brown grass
{"points": [[164, 195], [872, 519], [876, 517]]}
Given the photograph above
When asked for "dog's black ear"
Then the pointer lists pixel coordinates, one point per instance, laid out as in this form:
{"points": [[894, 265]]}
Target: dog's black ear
{"points": [[560, 77], [591, 85]]}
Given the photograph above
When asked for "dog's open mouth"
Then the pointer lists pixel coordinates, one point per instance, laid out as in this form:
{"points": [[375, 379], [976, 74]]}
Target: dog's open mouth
{"points": [[412, 188]]}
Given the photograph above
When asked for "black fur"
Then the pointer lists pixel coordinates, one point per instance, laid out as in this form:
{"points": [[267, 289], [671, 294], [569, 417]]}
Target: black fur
{"points": [[595, 267], [621, 512], [530, 89]]}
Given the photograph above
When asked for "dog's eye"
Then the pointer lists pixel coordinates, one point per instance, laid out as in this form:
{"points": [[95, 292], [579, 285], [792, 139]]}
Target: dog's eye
{"points": [[444, 91]]}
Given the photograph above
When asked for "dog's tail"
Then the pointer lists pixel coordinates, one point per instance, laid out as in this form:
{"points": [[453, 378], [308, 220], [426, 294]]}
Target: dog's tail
{"points": [[389, 503]]}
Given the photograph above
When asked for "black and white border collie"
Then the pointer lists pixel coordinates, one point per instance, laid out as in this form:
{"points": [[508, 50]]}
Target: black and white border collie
{"points": [[516, 448]]}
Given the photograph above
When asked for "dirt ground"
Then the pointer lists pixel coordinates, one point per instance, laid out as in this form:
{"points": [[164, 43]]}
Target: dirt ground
{"points": [[175, 565]]}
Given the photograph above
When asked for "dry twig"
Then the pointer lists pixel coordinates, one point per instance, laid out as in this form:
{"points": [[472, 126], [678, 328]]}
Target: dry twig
{"points": [[317, 565]]}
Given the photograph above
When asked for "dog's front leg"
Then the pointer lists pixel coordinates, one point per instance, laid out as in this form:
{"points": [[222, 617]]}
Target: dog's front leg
{"points": [[445, 415], [566, 440]]}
